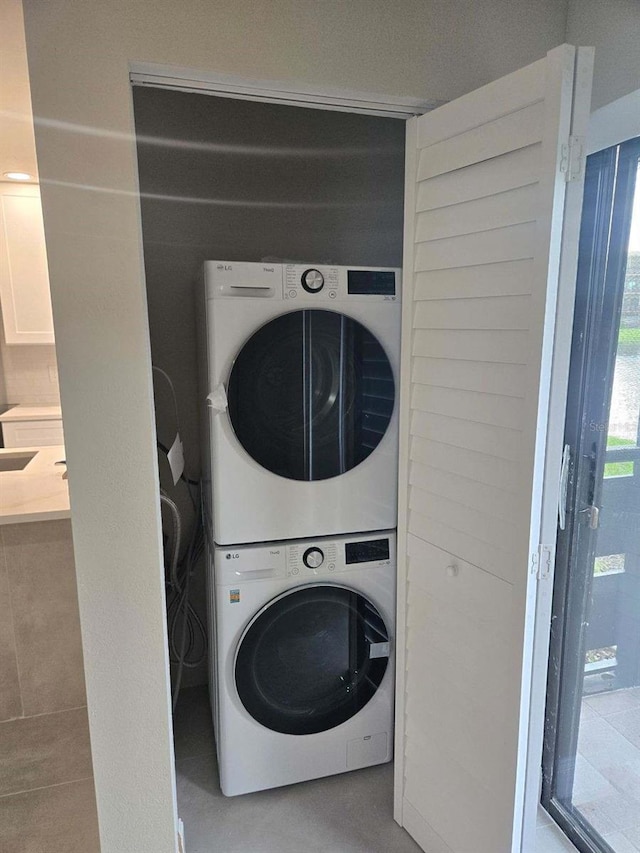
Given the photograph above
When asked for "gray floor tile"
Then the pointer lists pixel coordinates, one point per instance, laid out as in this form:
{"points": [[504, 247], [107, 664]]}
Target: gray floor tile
{"points": [[587, 713], [543, 818], [42, 580], [620, 843], [613, 702], [350, 813], [589, 784], [612, 813], [549, 839], [605, 747], [10, 701], [46, 750], [50, 820], [607, 780], [625, 779], [628, 724], [632, 834]]}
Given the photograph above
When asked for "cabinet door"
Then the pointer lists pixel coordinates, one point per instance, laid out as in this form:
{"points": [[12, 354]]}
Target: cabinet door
{"points": [[485, 203], [24, 279]]}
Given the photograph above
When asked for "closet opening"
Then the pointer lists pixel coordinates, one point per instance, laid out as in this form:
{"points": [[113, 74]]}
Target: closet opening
{"points": [[257, 187]]}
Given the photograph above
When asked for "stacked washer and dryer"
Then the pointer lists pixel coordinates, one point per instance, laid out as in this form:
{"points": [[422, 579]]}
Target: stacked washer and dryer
{"points": [[299, 368]]}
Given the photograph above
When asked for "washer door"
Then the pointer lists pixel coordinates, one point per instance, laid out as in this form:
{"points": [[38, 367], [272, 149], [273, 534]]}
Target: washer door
{"points": [[311, 395], [311, 659]]}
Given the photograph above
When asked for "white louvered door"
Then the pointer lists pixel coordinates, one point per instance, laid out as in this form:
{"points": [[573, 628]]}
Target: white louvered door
{"points": [[485, 201]]}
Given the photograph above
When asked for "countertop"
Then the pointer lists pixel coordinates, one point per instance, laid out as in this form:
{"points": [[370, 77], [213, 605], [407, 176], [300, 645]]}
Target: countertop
{"points": [[32, 413], [38, 492]]}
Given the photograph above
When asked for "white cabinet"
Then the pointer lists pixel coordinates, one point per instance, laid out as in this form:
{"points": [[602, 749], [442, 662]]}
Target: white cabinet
{"points": [[32, 426], [24, 278]]}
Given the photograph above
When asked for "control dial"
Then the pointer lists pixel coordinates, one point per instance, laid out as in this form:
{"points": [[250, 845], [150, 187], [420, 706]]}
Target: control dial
{"points": [[312, 281], [313, 558]]}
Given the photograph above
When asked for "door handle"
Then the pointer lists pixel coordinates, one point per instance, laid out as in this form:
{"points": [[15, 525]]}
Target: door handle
{"points": [[594, 516], [564, 486]]}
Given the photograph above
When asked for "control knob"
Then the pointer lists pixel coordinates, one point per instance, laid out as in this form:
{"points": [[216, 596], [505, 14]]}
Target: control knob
{"points": [[312, 281], [313, 558]]}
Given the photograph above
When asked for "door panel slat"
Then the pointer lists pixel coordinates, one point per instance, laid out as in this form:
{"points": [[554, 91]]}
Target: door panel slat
{"points": [[512, 207], [480, 467], [472, 522], [492, 312], [506, 278], [494, 501], [513, 243], [507, 172], [469, 435], [518, 129], [500, 97], [505, 412], [504, 379], [489, 345]]}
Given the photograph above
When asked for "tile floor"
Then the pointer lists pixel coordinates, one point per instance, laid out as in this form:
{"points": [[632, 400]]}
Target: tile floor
{"points": [[607, 780], [351, 813], [549, 839]]}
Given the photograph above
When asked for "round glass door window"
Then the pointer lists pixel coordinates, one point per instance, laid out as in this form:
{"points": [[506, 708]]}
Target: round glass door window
{"points": [[311, 395], [311, 659]]}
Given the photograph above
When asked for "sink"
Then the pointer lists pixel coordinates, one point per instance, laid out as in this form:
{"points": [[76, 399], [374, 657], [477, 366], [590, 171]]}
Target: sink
{"points": [[16, 461]]}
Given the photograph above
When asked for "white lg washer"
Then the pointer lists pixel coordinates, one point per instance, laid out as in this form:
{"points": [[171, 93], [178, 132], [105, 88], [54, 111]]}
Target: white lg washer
{"points": [[302, 673], [299, 369]]}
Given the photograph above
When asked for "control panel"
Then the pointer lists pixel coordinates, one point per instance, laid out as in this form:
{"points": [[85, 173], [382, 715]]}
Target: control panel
{"points": [[305, 559], [328, 556], [327, 283], [308, 283]]}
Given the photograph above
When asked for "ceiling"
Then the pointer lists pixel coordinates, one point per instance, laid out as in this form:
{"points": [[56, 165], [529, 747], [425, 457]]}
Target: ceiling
{"points": [[17, 145]]}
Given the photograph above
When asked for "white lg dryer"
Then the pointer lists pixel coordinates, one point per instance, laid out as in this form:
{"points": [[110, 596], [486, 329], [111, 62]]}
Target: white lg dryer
{"points": [[299, 391], [301, 657]]}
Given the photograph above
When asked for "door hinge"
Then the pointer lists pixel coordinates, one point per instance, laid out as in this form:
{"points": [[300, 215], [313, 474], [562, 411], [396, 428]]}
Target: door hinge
{"points": [[542, 562], [572, 158]]}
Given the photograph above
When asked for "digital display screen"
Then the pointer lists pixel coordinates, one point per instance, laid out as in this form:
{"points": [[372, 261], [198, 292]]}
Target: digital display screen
{"points": [[380, 283], [366, 552]]}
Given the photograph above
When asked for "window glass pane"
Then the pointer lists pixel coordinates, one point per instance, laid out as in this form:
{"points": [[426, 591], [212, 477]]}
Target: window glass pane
{"points": [[594, 788]]}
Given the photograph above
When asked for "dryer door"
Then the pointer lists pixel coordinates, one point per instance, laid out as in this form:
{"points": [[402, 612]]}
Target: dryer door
{"points": [[311, 659], [311, 394]]}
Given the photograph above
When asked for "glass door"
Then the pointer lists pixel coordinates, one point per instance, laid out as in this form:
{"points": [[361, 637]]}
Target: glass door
{"points": [[311, 659], [591, 772], [311, 395]]}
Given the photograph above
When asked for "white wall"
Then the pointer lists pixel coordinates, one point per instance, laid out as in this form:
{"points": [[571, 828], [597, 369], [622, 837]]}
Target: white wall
{"points": [[79, 56], [613, 27]]}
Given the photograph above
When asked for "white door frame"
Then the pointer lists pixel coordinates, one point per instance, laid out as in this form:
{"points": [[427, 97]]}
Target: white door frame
{"points": [[267, 91], [609, 125], [276, 91], [312, 97], [555, 433]]}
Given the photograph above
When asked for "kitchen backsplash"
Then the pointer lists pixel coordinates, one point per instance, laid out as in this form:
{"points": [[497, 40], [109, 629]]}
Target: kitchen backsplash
{"points": [[29, 374]]}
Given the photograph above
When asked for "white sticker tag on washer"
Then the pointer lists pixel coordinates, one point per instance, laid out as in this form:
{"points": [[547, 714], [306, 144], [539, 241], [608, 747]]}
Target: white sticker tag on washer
{"points": [[379, 650], [176, 459], [217, 399]]}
